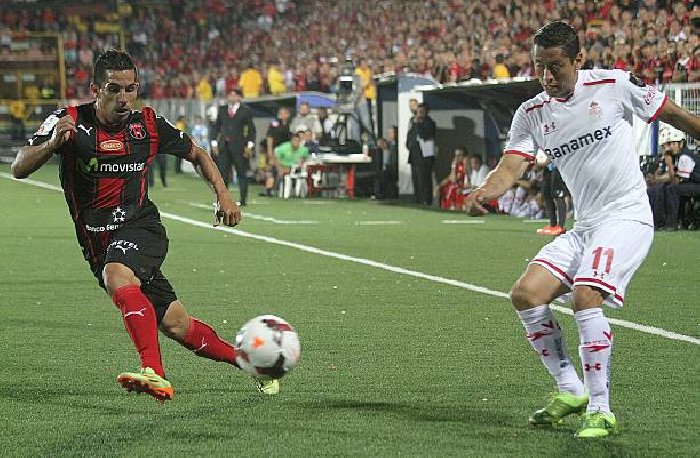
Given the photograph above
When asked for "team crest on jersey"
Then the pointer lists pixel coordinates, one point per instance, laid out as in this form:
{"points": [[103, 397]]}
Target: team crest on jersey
{"points": [[136, 131], [549, 127], [595, 110]]}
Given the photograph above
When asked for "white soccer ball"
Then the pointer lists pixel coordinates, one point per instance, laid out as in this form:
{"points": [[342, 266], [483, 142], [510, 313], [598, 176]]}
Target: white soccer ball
{"points": [[267, 347]]}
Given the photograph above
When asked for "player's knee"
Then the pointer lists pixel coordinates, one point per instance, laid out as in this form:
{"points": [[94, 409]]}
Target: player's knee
{"points": [[116, 275], [586, 297], [525, 294]]}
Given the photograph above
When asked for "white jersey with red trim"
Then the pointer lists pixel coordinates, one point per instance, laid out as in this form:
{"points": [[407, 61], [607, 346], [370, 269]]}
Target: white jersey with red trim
{"points": [[589, 138]]}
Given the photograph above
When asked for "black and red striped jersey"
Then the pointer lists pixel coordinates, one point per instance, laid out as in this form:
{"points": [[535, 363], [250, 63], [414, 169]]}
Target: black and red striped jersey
{"points": [[104, 173]]}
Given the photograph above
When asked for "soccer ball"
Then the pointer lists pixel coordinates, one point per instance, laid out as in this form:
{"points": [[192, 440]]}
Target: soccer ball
{"points": [[267, 347]]}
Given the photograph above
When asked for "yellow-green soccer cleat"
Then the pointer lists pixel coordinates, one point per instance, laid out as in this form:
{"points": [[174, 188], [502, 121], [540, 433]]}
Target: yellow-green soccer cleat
{"points": [[597, 424], [269, 387], [561, 405], [147, 381]]}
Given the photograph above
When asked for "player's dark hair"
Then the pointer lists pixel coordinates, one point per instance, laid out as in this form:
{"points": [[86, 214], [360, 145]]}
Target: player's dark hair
{"points": [[561, 34], [112, 60]]}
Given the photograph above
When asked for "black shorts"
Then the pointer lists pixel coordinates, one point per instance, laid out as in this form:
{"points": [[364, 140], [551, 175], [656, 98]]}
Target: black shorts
{"points": [[141, 247]]}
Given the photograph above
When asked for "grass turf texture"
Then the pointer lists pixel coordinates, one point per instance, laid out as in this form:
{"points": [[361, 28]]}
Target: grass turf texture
{"points": [[413, 367]]}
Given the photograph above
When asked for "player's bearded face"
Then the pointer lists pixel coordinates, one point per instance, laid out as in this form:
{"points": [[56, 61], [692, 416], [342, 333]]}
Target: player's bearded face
{"points": [[116, 96], [556, 71]]}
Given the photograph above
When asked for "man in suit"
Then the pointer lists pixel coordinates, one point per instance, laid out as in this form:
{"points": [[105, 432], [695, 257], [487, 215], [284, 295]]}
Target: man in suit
{"points": [[420, 141], [233, 141]]}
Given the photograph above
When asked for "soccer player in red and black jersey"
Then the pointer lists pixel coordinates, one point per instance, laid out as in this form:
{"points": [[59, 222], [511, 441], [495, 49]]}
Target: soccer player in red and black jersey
{"points": [[105, 149]]}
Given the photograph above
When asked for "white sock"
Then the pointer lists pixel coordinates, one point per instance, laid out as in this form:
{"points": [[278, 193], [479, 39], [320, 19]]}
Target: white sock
{"points": [[595, 351], [545, 337]]}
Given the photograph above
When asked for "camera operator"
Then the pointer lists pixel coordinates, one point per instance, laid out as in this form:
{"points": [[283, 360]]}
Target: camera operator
{"points": [[685, 183], [352, 91], [659, 173]]}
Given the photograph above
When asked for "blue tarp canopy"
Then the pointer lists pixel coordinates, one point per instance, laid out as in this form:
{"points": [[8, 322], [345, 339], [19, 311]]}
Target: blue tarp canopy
{"points": [[317, 99]]}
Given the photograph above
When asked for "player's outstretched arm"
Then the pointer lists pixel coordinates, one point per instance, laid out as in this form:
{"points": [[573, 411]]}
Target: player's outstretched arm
{"points": [[31, 158], [498, 181], [680, 118], [228, 211]]}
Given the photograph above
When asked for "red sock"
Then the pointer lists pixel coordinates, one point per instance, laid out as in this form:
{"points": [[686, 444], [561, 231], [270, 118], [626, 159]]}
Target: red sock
{"points": [[203, 341], [140, 322]]}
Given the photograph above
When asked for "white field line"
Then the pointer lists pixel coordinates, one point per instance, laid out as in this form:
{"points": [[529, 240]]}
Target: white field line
{"points": [[39, 184], [376, 223], [400, 270], [462, 221], [255, 216], [539, 221]]}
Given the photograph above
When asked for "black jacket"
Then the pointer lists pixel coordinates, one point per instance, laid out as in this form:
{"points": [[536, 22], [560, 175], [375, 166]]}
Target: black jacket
{"points": [[425, 130], [236, 131]]}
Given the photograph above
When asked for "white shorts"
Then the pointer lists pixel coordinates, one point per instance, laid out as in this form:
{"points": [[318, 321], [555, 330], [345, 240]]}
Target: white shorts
{"points": [[605, 257]]}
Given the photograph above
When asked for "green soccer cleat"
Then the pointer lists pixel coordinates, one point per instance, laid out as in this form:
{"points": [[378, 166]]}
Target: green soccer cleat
{"points": [[561, 405], [147, 381], [269, 387], [597, 424]]}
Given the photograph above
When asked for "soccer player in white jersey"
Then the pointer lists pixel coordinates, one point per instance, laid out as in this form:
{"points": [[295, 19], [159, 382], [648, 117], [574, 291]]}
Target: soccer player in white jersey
{"points": [[583, 122]]}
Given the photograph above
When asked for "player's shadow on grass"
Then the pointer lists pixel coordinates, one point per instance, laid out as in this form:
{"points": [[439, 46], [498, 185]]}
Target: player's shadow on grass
{"points": [[421, 412], [82, 397]]}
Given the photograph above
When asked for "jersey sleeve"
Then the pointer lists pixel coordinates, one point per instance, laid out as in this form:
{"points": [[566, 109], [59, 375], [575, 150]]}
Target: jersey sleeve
{"points": [[171, 140], [643, 100], [45, 130], [521, 141]]}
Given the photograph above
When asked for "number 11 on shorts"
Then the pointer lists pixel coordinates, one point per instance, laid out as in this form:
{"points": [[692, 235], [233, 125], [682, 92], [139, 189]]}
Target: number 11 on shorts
{"points": [[598, 253]]}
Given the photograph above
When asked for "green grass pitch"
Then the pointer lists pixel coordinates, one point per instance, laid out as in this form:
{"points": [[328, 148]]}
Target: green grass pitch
{"points": [[391, 364]]}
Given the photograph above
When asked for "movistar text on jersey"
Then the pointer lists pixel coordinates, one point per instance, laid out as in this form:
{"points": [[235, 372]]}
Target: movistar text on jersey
{"points": [[94, 166], [580, 142]]}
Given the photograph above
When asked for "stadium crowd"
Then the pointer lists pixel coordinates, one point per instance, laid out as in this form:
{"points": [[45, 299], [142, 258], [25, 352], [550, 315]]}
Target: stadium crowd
{"points": [[203, 48]]}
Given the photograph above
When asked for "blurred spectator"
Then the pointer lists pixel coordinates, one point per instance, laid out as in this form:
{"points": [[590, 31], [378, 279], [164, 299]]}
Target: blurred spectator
{"points": [[290, 154], [233, 137], [18, 113], [450, 191], [181, 125], [477, 174], [251, 82], [520, 200], [554, 193], [278, 132], [275, 80], [200, 132], [420, 141], [477, 170], [500, 71], [660, 172], [308, 140], [326, 127], [386, 186], [205, 92], [684, 180], [451, 40], [304, 120]]}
